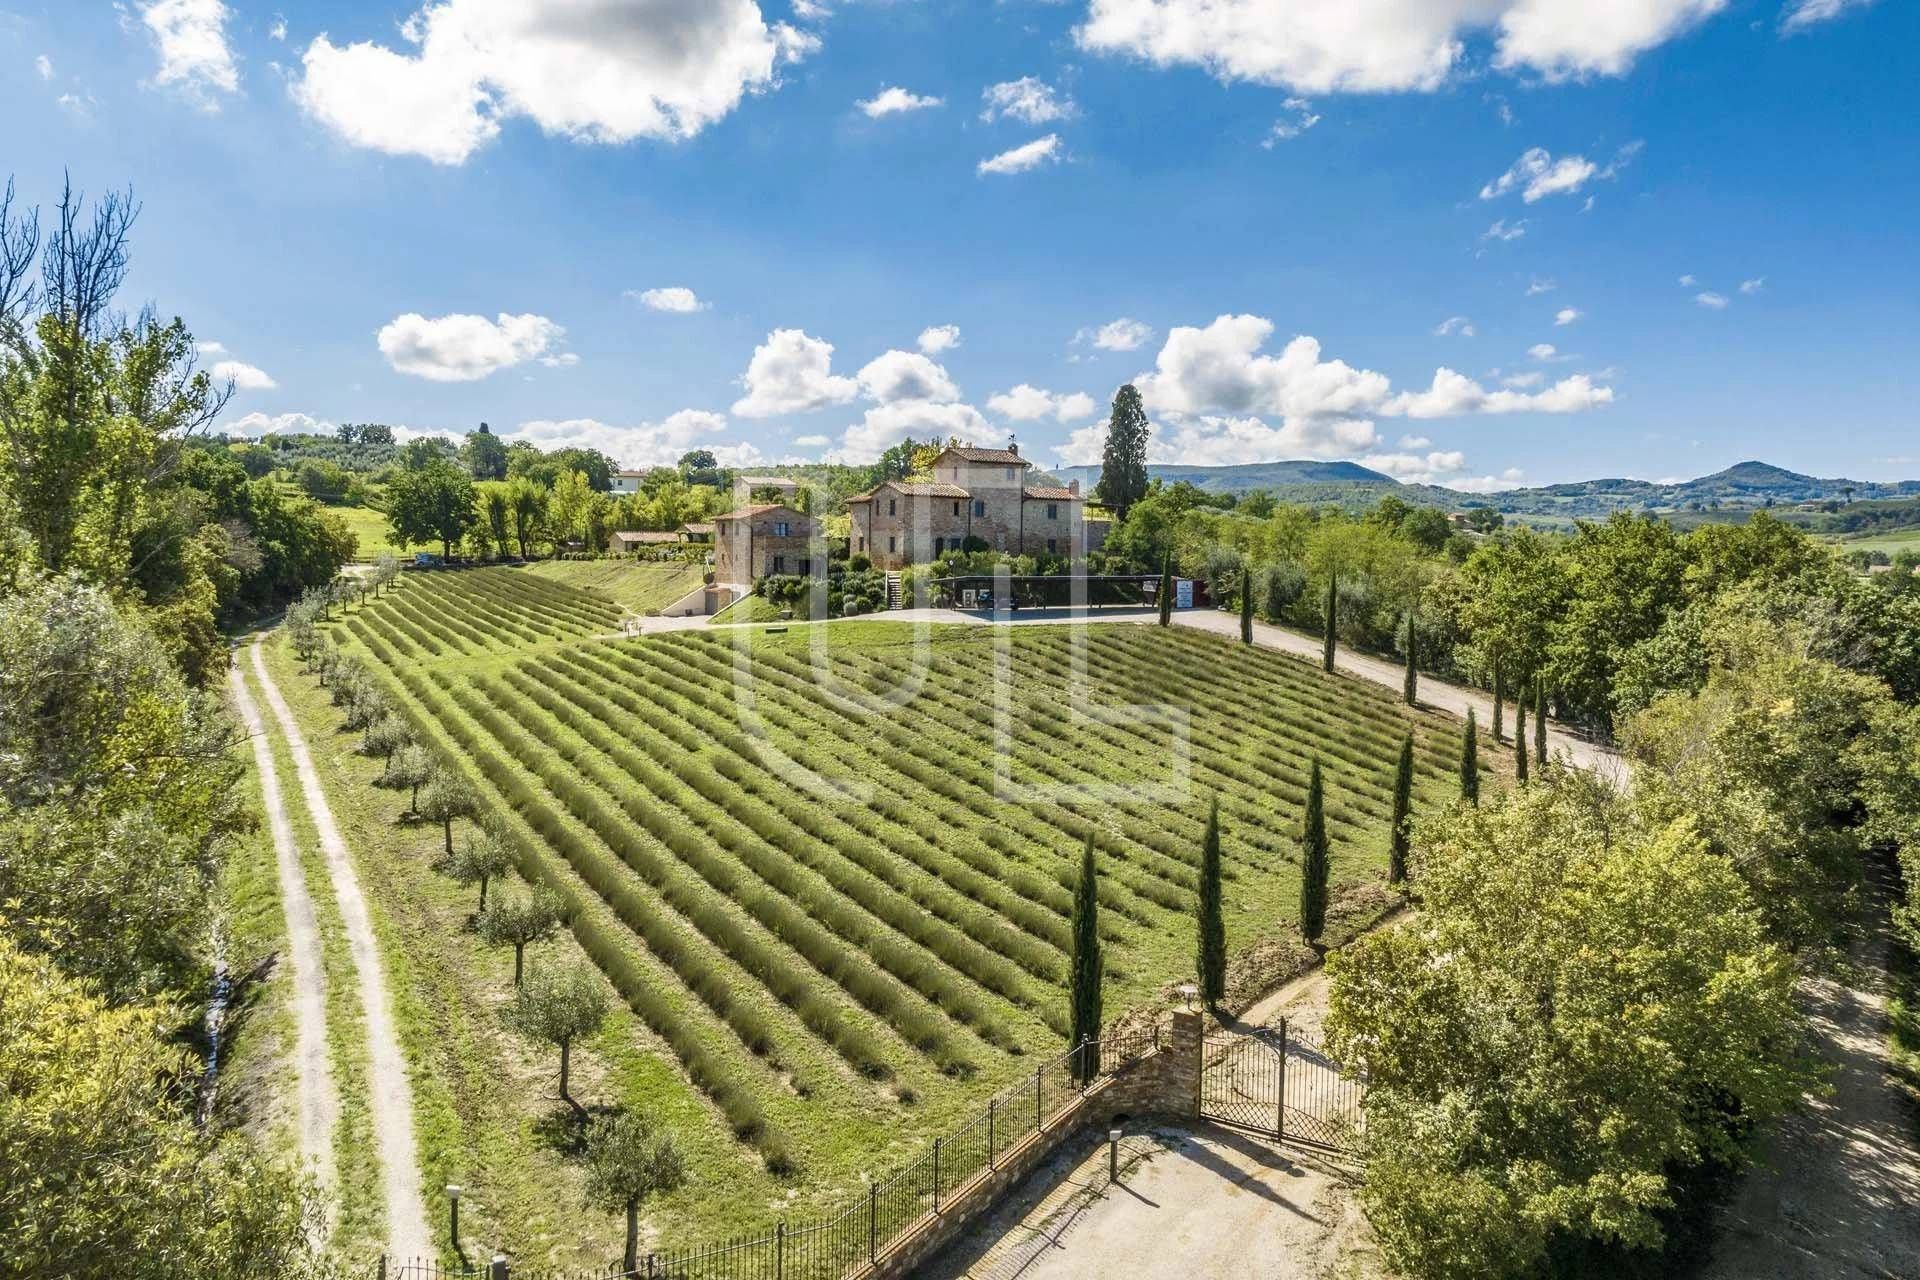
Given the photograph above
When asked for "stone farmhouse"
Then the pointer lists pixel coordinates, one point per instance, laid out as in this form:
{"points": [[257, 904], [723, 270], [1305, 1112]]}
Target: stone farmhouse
{"points": [[766, 539], [975, 493]]}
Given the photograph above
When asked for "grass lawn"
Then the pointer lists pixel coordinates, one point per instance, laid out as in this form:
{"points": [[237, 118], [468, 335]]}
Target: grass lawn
{"points": [[748, 609], [370, 527], [642, 587], [828, 966]]}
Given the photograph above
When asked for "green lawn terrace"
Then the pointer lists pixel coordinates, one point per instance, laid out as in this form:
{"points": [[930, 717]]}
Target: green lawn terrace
{"points": [[836, 898]]}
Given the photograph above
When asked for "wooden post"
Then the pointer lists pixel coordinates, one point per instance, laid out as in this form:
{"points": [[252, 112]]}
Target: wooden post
{"points": [[497, 1270]]}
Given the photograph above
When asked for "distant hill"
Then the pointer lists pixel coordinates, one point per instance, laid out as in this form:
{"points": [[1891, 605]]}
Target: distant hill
{"points": [[1272, 476], [1743, 485]]}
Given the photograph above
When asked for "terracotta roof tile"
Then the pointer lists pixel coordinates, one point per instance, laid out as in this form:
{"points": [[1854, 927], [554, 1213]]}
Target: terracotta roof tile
{"points": [[971, 454], [1053, 495]]}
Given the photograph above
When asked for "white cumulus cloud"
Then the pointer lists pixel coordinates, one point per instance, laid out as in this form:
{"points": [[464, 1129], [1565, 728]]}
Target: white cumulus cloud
{"points": [[644, 444], [245, 377], [1026, 403], [465, 348], [674, 298], [1503, 231], [1367, 46], [44, 65], [1289, 127], [1028, 100], [1453, 325], [1537, 175], [1454, 395], [906, 375], [254, 425], [884, 425], [792, 373], [590, 70], [811, 442], [1751, 287], [939, 337], [1711, 301], [893, 100], [1566, 316], [1022, 158], [1124, 334], [191, 39]]}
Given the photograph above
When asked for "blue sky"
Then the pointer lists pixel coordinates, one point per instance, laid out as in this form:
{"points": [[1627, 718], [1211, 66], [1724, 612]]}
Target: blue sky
{"points": [[441, 215]]}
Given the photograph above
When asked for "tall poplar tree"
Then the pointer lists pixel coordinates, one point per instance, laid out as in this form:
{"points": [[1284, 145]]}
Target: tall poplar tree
{"points": [[1246, 605], [1333, 616], [1313, 860], [1520, 735], [1470, 762], [1397, 847], [1211, 957], [1166, 591], [1123, 462], [1086, 966]]}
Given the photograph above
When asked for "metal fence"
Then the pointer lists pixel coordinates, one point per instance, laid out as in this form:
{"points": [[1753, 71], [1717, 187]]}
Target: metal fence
{"points": [[850, 1238]]}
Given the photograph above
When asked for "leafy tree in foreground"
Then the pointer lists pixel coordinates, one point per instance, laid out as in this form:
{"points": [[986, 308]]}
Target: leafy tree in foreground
{"points": [[1166, 590], [1499, 698], [483, 857], [445, 798], [411, 767], [1520, 737], [1211, 951], [1314, 867], [1087, 971], [1123, 460], [519, 920], [1584, 1010], [559, 1005], [107, 1175], [1246, 605], [1332, 621], [1470, 762], [629, 1160], [1401, 837]]}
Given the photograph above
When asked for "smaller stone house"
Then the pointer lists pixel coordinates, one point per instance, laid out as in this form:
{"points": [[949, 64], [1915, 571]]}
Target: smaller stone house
{"points": [[632, 541], [697, 531], [764, 540]]}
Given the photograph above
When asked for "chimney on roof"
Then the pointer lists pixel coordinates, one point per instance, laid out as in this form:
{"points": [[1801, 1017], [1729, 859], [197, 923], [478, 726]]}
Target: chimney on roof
{"points": [[1013, 447], [1073, 487]]}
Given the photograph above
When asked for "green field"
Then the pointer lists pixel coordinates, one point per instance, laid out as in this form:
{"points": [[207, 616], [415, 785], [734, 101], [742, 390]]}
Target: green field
{"points": [[638, 586], [1893, 543], [370, 527], [837, 932], [748, 609]]}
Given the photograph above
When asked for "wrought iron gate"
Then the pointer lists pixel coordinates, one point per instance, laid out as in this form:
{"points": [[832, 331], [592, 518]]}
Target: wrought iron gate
{"points": [[1281, 1083]]}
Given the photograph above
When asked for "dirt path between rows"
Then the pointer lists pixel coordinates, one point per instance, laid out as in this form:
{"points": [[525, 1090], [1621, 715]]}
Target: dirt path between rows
{"points": [[390, 1096], [1836, 1189], [318, 1096]]}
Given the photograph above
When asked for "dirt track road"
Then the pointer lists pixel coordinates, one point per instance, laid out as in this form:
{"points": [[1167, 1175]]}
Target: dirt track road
{"points": [[318, 1098], [1836, 1191], [390, 1097]]}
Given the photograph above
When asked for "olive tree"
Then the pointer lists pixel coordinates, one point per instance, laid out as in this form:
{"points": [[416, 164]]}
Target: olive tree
{"points": [[557, 1006], [629, 1160]]}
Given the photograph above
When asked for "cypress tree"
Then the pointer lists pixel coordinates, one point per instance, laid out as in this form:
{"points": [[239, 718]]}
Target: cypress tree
{"points": [[1402, 810], [1211, 959], [1520, 734], [1499, 696], [1412, 688], [1333, 609], [1313, 861], [1086, 966], [1540, 721], [1123, 460], [1470, 762], [1166, 591], [1246, 605]]}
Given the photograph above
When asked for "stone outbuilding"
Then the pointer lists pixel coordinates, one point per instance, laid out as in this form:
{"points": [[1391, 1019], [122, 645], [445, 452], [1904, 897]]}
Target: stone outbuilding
{"points": [[766, 540], [975, 494]]}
